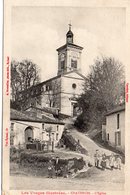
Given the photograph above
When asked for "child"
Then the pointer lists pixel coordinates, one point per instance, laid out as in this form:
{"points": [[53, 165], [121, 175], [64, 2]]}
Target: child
{"points": [[103, 163], [96, 158], [65, 171], [112, 161], [50, 169], [118, 162], [57, 166]]}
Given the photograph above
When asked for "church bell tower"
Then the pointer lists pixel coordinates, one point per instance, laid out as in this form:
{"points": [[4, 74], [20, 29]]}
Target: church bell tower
{"points": [[69, 35], [69, 55]]}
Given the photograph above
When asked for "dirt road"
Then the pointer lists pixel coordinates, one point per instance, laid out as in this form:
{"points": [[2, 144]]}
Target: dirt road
{"points": [[88, 143], [31, 183]]}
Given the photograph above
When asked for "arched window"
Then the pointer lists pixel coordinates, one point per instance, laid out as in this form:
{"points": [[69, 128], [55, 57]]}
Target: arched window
{"points": [[74, 86]]}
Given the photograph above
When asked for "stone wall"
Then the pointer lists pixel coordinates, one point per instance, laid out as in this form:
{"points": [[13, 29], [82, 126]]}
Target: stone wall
{"points": [[39, 131]]}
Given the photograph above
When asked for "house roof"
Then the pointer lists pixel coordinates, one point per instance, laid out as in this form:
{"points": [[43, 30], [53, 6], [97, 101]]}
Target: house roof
{"points": [[45, 109], [53, 111], [116, 109], [30, 117], [62, 116]]}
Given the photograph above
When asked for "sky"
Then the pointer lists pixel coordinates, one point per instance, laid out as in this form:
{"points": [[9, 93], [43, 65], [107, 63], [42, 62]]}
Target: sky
{"points": [[36, 33]]}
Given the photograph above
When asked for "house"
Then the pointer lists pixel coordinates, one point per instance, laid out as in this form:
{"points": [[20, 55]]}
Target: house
{"points": [[25, 127], [60, 92], [114, 133]]}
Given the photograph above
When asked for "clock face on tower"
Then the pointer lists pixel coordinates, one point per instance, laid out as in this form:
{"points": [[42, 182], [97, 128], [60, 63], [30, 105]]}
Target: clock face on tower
{"points": [[74, 54], [62, 57]]}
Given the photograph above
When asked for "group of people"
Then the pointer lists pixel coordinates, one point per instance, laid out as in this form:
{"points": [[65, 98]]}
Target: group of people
{"points": [[55, 169], [102, 161], [107, 162]]}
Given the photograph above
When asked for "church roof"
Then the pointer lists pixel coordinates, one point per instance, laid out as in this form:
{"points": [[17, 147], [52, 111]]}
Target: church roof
{"points": [[69, 45], [77, 72], [51, 79], [61, 75], [69, 33]]}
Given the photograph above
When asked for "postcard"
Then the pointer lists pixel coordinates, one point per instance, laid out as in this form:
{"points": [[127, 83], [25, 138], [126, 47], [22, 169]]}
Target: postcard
{"points": [[66, 97]]}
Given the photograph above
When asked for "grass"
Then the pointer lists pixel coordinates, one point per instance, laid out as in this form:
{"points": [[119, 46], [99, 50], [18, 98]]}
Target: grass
{"points": [[35, 163]]}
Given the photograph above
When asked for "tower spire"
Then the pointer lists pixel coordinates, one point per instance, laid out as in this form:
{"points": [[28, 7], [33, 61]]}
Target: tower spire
{"points": [[70, 25], [69, 35]]}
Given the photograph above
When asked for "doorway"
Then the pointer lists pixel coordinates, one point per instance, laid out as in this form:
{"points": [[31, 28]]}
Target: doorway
{"points": [[28, 134]]}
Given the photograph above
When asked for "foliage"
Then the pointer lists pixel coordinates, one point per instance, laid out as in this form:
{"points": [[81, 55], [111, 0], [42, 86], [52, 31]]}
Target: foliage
{"points": [[104, 89], [24, 74], [41, 161], [53, 97], [15, 153]]}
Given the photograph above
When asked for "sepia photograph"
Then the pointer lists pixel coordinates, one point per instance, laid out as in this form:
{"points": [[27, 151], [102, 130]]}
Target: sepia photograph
{"points": [[67, 98]]}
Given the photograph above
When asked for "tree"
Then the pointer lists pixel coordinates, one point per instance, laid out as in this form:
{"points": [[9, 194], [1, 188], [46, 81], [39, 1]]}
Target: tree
{"points": [[103, 89], [24, 74], [53, 93], [15, 80]]}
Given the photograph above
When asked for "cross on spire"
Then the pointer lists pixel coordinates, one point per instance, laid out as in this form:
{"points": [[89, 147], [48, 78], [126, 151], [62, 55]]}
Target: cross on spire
{"points": [[70, 25]]}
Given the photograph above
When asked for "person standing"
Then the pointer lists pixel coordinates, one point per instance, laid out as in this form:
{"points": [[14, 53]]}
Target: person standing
{"points": [[96, 158], [56, 165], [65, 171], [118, 162], [103, 163], [50, 169], [112, 161]]}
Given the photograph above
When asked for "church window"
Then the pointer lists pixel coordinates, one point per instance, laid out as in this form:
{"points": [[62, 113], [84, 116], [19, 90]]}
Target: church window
{"points": [[50, 87], [42, 88], [46, 88], [74, 86], [74, 63], [62, 64], [108, 136]]}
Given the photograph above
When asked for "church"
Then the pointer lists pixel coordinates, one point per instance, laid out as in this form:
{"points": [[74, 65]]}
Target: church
{"points": [[60, 93]]}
